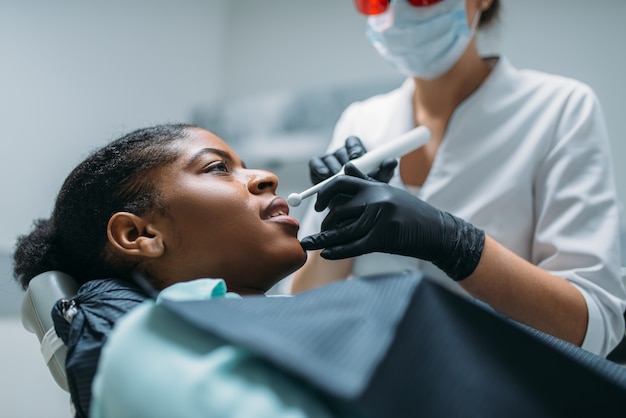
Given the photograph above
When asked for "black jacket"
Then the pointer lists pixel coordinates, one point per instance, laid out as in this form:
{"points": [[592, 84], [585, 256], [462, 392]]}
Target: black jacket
{"points": [[84, 324]]}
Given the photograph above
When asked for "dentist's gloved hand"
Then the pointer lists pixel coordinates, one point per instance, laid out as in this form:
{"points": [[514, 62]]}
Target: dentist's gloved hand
{"points": [[368, 216], [320, 168]]}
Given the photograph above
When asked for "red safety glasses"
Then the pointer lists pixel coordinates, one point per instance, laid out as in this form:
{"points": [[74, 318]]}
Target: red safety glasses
{"points": [[374, 7]]}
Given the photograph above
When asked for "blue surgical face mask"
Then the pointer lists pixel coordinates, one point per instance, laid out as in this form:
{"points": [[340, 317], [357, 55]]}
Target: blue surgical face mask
{"points": [[424, 42]]}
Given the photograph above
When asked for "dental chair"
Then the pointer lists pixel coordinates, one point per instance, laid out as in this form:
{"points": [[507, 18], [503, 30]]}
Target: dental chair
{"points": [[47, 288], [43, 292]]}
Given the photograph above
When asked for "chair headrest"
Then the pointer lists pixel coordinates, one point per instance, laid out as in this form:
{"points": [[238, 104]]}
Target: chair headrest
{"points": [[42, 294]]}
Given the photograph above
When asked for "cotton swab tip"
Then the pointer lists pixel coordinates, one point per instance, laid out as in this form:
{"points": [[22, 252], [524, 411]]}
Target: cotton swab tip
{"points": [[294, 199]]}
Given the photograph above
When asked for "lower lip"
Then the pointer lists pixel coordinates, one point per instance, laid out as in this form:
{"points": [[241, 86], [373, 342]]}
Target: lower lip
{"points": [[284, 219]]}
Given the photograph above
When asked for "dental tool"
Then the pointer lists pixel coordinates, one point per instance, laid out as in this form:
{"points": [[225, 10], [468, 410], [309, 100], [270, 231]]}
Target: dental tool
{"points": [[405, 143]]}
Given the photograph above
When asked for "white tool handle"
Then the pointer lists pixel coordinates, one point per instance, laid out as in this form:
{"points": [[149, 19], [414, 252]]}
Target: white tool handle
{"points": [[369, 161]]}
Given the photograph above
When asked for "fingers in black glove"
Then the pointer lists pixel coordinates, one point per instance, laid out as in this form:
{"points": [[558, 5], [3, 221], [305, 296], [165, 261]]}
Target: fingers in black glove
{"points": [[367, 216], [385, 170], [321, 168]]}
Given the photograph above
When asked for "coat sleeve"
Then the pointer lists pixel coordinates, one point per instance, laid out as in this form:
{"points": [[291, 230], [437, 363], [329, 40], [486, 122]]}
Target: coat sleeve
{"points": [[578, 221]]}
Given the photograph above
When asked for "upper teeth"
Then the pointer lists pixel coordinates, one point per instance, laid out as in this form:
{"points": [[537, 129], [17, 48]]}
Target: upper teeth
{"points": [[278, 213]]}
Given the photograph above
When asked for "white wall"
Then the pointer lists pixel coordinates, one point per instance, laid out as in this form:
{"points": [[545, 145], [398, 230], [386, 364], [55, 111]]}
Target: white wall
{"points": [[27, 389], [285, 44], [77, 73]]}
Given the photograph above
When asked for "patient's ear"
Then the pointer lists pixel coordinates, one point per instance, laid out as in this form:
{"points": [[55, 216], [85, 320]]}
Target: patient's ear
{"points": [[134, 235]]}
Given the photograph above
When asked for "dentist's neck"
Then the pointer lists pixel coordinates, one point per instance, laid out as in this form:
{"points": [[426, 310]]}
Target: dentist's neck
{"points": [[442, 95]]}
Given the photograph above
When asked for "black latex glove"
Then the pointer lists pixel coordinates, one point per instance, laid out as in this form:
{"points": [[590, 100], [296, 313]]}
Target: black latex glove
{"points": [[320, 168], [368, 216]]}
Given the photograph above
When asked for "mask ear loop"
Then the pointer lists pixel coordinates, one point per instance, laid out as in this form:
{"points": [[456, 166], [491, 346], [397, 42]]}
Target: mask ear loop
{"points": [[484, 5], [476, 20]]}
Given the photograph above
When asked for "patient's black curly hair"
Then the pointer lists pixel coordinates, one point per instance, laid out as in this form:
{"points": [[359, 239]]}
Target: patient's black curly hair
{"points": [[112, 179]]}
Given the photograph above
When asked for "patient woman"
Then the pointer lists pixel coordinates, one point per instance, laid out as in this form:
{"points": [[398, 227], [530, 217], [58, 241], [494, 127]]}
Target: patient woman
{"points": [[171, 202], [175, 206]]}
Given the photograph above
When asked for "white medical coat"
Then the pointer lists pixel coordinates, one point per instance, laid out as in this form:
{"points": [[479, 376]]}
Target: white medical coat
{"points": [[526, 158]]}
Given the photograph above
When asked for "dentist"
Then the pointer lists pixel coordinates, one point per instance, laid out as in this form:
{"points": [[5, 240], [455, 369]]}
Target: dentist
{"points": [[513, 198]]}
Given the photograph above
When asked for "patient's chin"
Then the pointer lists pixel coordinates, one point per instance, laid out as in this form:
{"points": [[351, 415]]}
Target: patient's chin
{"points": [[292, 263], [297, 265]]}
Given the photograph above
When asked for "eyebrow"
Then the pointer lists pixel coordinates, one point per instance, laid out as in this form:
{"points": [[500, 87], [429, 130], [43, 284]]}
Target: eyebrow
{"points": [[204, 151]]}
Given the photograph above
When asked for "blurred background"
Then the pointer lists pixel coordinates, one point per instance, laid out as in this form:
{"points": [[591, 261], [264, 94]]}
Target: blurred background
{"points": [[270, 77]]}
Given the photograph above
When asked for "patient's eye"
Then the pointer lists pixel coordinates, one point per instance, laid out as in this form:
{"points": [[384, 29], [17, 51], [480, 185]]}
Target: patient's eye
{"points": [[217, 166]]}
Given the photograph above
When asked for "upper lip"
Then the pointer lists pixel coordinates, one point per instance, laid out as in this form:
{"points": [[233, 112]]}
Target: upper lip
{"points": [[278, 206]]}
